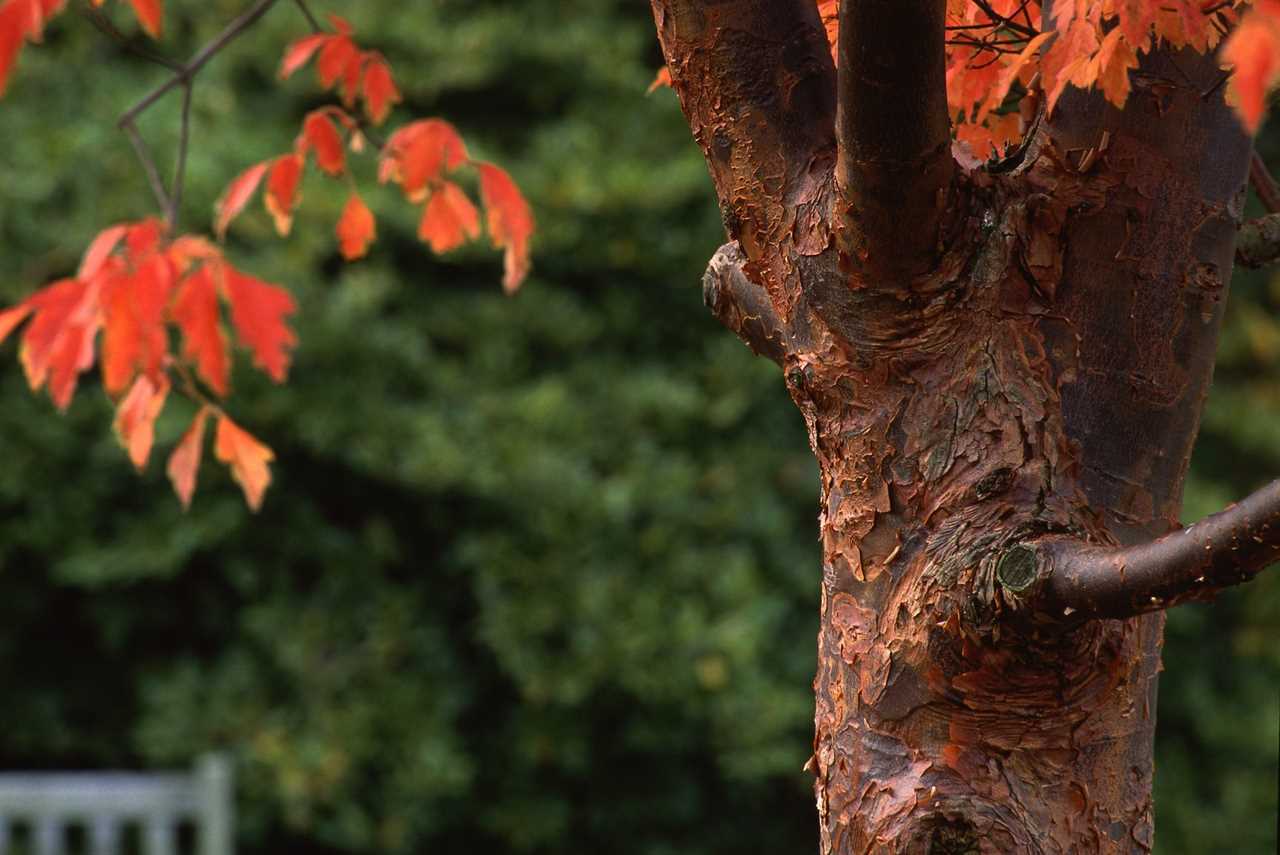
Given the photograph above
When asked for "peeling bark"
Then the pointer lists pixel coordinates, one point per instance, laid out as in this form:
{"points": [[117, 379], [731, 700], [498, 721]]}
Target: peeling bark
{"points": [[1019, 370]]}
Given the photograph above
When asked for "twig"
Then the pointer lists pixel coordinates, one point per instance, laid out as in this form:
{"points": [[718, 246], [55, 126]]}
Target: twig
{"points": [[104, 26], [311, 18], [202, 56], [1263, 184], [180, 168], [148, 164]]}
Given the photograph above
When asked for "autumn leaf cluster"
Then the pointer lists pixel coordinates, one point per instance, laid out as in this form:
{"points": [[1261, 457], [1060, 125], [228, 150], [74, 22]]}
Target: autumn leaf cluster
{"points": [[139, 288]]}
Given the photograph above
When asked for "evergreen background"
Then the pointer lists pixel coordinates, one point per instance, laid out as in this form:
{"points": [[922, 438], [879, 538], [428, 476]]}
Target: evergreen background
{"points": [[536, 575]]}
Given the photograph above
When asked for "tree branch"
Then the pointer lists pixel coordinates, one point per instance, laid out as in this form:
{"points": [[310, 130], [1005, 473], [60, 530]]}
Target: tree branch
{"points": [[198, 61], [1068, 580], [1263, 184], [1258, 241], [894, 164], [756, 83], [743, 306]]}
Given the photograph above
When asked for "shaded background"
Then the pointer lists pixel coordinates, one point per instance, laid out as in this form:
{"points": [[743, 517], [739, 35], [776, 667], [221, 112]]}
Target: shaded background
{"points": [[536, 575]]}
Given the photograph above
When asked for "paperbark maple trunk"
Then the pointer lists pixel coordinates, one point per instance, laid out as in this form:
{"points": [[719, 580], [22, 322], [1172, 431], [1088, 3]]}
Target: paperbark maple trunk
{"points": [[1030, 375]]}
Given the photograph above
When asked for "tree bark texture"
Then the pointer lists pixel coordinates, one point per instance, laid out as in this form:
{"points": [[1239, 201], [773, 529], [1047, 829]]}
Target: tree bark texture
{"points": [[992, 364]]}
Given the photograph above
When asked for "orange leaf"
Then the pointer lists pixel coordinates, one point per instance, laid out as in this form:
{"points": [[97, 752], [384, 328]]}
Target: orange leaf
{"points": [[319, 133], [98, 252], [380, 90], [510, 222], [1114, 59], [340, 24], [195, 311], [247, 458], [1254, 51], [184, 462], [282, 190], [299, 53], [136, 416], [135, 339], [449, 219], [150, 14], [258, 310], [661, 79], [356, 229], [57, 345], [236, 196], [416, 154]]}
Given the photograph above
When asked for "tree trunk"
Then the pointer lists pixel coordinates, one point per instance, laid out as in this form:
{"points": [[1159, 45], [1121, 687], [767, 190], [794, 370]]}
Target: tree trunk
{"points": [[1002, 373]]}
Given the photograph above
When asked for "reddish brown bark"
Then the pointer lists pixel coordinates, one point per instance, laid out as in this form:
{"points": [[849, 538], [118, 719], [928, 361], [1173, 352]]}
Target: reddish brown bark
{"points": [[1021, 371]]}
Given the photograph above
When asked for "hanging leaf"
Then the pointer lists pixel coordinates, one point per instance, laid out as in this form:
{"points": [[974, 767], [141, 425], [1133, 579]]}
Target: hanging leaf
{"points": [[258, 312], [299, 53], [449, 219], [204, 342], [247, 458], [184, 462], [356, 228], [135, 422], [282, 196], [321, 136], [379, 89], [236, 196], [510, 222]]}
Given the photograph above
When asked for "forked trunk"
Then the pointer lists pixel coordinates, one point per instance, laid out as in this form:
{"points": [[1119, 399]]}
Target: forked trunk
{"points": [[1038, 386]]}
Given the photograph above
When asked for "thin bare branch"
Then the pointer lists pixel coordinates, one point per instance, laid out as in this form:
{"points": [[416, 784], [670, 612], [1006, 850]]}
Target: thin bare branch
{"points": [[148, 165], [1064, 579], [198, 61], [894, 135], [104, 25], [312, 20], [180, 167], [1263, 184]]}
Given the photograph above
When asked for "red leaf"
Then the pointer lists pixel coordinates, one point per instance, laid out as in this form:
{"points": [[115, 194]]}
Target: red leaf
{"points": [[135, 339], [258, 310], [143, 237], [11, 318], [449, 219], [236, 196], [319, 133], [57, 345], [380, 90], [184, 462], [338, 53], [136, 416], [150, 14], [356, 229], [340, 24], [195, 311], [247, 458], [510, 222], [417, 153], [282, 190], [98, 252], [299, 53], [11, 37]]}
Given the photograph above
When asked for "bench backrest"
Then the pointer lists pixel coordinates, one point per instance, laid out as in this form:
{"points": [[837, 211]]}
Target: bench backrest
{"points": [[104, 804]]}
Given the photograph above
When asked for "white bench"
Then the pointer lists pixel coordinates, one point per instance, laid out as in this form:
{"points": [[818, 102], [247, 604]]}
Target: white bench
{"points": [[106, 804]]}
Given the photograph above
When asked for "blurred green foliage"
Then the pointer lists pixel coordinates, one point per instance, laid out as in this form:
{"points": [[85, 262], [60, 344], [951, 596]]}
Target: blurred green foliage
{"points": [[537, 574]]}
